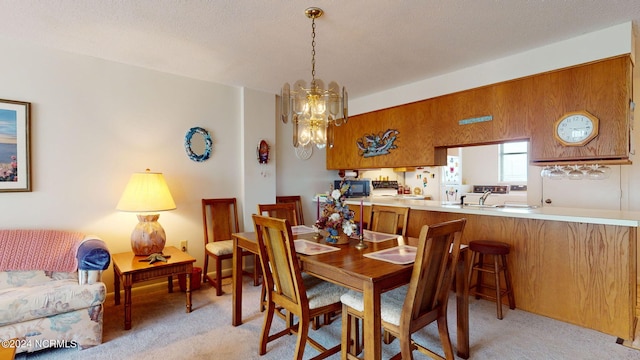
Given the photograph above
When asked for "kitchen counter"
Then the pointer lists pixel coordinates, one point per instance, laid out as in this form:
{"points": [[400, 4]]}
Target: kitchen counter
{"points": [[590, 216], [589, 256]]}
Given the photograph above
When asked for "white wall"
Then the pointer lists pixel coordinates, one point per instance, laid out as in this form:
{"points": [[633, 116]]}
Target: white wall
{"points": [[609, 42], [95, 122], [612, 41], [258, 180]]}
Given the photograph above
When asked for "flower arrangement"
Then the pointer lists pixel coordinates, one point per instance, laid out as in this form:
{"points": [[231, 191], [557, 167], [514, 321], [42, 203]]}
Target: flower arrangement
{"points": [[336, 215], [9, 172]]}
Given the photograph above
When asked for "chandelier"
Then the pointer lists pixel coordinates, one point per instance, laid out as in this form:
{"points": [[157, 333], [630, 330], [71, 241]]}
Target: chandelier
{"points": [[314, 111]]}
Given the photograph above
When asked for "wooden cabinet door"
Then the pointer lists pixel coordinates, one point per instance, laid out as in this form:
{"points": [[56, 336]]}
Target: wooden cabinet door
{"points": [[515, 109], [602, 89], [463, 118], [407, 124]]}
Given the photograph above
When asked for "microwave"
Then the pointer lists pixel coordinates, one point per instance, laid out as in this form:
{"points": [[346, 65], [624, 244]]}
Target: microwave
{"points": [[357, 188]]}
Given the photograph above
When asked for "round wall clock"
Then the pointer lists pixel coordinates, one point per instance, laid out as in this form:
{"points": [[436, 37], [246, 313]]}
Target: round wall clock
{"points": [[576, 128]]}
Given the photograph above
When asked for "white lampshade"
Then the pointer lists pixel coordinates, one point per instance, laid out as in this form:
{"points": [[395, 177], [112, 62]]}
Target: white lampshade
{"points": [[147, 192]]}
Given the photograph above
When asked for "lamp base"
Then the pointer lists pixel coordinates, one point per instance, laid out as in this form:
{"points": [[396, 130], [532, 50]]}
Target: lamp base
{"points": [[148, 236]]}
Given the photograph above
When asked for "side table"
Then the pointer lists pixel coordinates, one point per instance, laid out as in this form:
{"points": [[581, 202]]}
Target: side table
{"points": [[130, 270]]}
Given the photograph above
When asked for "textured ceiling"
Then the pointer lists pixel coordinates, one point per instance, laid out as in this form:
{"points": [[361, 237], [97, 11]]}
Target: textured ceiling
{"points": [[365, 45]]}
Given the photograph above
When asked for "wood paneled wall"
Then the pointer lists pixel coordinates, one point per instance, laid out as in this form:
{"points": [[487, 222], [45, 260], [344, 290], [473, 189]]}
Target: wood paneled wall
{"points": [[525, 108], [580, 273]]}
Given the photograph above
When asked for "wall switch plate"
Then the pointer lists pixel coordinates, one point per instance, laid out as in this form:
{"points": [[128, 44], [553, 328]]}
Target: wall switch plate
{"points": [[183, 245]]}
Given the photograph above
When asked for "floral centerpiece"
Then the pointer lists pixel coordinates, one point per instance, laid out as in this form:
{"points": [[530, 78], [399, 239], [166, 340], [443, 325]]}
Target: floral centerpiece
{"points": [[336, 218]]}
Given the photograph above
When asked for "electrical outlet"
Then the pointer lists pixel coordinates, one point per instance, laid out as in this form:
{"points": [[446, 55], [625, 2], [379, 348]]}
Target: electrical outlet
{"points": [[183, 245]]}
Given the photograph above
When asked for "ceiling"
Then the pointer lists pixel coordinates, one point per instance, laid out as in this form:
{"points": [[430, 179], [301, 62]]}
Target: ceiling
{"points": [[365, 45]]}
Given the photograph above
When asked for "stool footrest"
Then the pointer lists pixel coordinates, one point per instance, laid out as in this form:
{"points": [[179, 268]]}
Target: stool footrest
{"points": [[487, 268], [477, 291]]}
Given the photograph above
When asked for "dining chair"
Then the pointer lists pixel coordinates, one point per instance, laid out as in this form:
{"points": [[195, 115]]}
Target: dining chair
{"points": [[409, 308], [286, 210], [389, 219], [295, 199], [301, 295], [280, 211], [220, 220]]}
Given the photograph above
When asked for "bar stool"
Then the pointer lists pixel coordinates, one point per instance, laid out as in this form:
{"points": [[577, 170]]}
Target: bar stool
{"points": [[499, 251]]}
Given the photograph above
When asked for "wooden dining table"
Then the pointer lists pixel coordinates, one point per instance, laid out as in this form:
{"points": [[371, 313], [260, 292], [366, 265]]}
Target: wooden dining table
{"points": [[350, 268]]}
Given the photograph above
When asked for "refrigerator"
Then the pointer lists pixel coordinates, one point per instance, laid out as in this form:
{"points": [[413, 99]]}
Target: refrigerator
{"points": [[451, 180]]}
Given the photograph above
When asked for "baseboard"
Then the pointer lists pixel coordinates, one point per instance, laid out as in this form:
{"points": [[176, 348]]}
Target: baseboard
{"points": [[635, 342]]}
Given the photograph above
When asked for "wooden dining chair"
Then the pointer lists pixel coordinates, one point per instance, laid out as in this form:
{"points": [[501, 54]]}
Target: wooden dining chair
{"points": [[306, 297], [424, 300], [220, 220], [389, 219], [285, 210], [297, 201], [280, 211]]}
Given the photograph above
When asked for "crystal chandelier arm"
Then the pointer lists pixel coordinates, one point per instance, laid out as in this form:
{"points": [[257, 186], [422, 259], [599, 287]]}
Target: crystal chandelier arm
{"points": [[285, 102]]}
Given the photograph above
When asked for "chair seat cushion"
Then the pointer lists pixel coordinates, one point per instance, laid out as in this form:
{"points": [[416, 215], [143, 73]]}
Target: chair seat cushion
{"points": [[391, 303], [321, 293], [218, 248]]}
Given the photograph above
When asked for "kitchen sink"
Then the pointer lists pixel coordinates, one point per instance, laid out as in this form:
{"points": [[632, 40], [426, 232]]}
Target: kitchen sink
{"points": [[480, 206], [516, 206], [503, 206]]}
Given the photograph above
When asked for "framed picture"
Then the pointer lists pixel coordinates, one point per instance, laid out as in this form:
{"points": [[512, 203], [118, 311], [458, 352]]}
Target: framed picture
{"points": [[15, 162]]}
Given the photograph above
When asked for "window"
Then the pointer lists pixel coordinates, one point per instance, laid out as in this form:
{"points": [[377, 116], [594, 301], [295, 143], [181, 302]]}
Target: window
{"points": [[513, 161]]}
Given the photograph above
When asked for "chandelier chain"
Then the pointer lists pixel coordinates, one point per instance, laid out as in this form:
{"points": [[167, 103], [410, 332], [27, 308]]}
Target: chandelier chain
{"points": [[313, 51]]}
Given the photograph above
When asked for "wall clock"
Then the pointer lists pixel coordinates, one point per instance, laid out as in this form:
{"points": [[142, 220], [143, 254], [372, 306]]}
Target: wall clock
{"points": [[576, 128]]}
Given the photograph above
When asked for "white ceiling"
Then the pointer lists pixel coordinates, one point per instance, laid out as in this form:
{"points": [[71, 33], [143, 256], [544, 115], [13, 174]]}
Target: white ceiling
{"points": [[365, 45]]}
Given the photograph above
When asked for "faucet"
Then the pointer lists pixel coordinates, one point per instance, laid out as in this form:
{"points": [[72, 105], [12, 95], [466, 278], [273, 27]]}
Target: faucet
{"points": [[484, 197]]}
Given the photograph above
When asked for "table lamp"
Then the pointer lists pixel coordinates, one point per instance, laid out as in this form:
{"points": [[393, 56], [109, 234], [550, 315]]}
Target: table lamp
{"points": [[147, 193]]}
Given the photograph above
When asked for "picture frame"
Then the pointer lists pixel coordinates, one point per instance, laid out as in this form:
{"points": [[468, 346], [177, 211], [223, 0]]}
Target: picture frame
{"points": [[15, 161]]}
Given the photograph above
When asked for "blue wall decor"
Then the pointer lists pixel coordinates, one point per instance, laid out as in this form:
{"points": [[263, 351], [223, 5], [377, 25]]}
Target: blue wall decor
{"points": [[194, 149], [377, 144]]}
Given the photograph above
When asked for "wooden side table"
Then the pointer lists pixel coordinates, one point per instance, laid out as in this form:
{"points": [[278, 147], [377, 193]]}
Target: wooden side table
{"points": [[130, 270]]}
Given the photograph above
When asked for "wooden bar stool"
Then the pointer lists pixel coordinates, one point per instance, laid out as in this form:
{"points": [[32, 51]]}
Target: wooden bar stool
{"points": [[499, 251]]}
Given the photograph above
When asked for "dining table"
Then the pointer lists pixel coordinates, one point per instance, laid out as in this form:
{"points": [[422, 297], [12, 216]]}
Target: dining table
{"points": [[349, 267]]}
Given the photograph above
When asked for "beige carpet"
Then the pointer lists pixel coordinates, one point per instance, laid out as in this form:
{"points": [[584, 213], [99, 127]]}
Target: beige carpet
{"points": [[162, 330]]}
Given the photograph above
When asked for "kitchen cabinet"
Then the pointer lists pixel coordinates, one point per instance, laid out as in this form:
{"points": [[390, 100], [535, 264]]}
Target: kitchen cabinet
{"points": [[463, 118], [519, 109], [412, 145], [604, 90], [515, 108]]}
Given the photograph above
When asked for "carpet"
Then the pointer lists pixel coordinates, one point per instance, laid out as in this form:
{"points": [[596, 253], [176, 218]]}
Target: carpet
{"points": [[162, 329]]}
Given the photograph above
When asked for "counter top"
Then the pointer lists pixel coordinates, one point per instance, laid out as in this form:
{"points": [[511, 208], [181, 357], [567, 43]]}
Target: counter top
{"points": [[592, 216]]}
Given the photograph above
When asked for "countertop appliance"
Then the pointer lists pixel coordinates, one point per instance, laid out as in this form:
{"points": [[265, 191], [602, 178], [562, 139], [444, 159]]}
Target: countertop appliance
{"points": [[357, 188]]}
